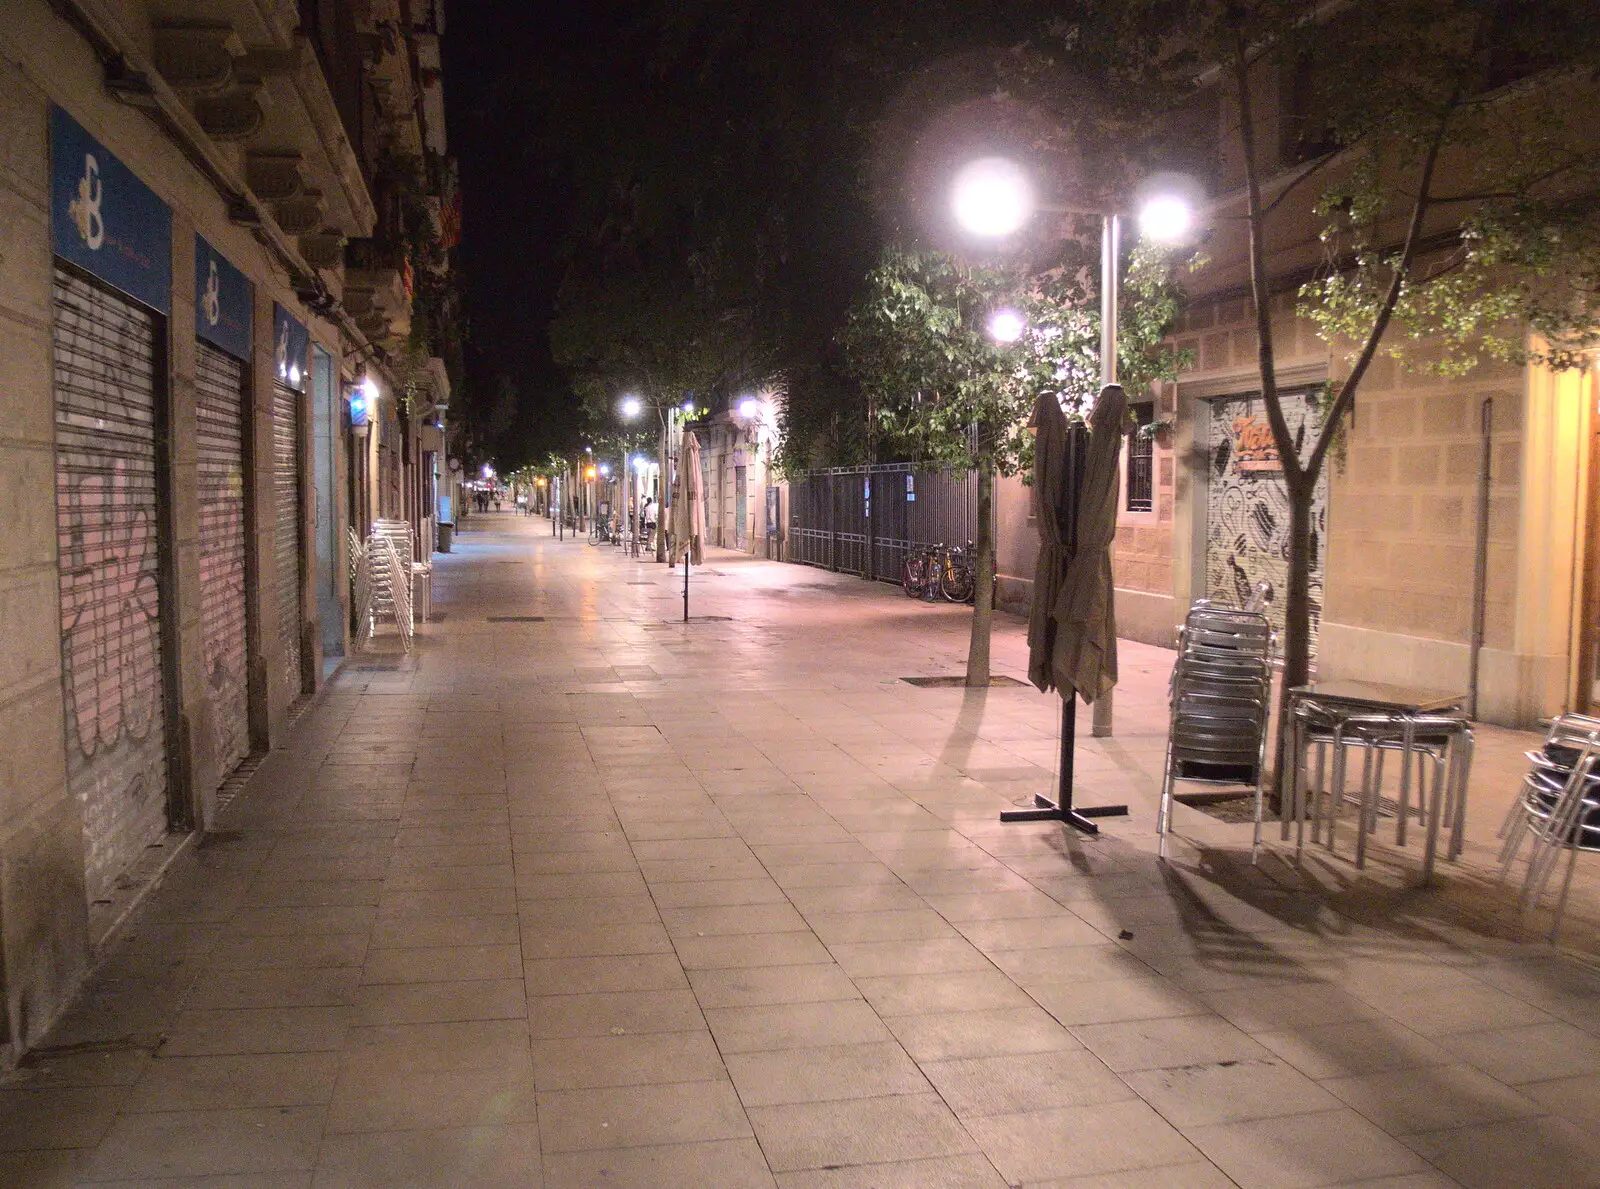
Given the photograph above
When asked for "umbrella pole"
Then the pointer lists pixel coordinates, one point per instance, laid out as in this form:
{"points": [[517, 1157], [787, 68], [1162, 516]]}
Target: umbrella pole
{"points": [[1061, 809], [685, 586]]}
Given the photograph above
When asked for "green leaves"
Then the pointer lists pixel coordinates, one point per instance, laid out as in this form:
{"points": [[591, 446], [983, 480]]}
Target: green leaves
{"points": [[945, 392]]}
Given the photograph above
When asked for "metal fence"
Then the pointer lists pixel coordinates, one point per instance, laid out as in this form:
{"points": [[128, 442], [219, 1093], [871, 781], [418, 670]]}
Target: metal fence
{"points": [[864, 520]]}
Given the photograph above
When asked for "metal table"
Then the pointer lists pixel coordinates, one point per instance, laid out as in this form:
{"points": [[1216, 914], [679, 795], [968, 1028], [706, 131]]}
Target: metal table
{"points": [[1377, 698], [1355, 698]]}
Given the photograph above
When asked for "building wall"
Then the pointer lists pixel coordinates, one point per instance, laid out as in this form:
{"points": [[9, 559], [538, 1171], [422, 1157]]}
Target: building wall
{"points": [[1141, 554], [1402, 511], [48, 930], [730, 444], [43, 908], [1400, 552]]}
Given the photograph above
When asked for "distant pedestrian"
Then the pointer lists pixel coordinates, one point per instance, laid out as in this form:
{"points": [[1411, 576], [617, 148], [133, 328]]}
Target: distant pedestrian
{"points": [[649, 517]]}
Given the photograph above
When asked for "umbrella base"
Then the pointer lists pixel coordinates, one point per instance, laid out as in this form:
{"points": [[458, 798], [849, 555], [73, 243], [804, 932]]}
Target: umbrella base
{"points": [[1049, 811]]}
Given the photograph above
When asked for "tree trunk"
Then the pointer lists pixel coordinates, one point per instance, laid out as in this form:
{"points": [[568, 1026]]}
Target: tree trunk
{"points": [[662, 491], [983, 596], [1296, 643]]}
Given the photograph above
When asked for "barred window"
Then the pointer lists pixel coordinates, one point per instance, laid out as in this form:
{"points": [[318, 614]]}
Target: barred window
{"points": [[1141, 460]]}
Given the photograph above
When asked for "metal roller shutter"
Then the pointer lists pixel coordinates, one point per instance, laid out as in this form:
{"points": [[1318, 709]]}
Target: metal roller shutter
{"points": [[107, 525], [219, 388], [286, 536]]}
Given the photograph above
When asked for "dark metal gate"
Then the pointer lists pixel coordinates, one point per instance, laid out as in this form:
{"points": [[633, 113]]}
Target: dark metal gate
{"points": [[864, 520], [219, 406], [286, 542], [108, 514]]}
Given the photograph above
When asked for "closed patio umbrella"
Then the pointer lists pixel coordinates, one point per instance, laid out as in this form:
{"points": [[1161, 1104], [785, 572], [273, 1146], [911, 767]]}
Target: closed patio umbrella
{"points": [[688, 512], [1050, 447], [1072, 631], [1086, 620]]}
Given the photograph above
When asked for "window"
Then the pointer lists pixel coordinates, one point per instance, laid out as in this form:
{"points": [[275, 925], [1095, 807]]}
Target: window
{"points": [[1303, 131], [1141, 460]]}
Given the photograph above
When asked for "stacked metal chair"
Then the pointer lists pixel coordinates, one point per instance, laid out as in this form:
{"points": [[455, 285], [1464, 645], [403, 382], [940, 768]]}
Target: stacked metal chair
{"points": [[1221, 700], [419, 574], [1557, 809], [384, 587]]}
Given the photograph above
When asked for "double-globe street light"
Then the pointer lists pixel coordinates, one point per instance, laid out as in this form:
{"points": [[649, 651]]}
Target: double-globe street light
{"points": [[993, 197]]}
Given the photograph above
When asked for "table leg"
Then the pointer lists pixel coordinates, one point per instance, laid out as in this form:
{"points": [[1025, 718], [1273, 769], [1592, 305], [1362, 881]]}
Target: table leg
{"points": [[1435, 812]]}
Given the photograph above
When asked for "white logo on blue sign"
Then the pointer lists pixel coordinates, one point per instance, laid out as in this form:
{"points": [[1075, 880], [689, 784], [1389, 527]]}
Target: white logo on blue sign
{"points": [[212, 302], [85, 208]]}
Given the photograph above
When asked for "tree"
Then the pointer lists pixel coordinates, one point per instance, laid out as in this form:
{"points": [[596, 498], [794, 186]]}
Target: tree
{"points": [[1445, 149], [946, 393]]}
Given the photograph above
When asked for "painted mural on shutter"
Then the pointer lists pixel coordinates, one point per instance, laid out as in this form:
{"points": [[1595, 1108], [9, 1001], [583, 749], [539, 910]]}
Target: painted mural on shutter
{"points": [[1247, 506], [287, 530], [219, 389], [107, 526]]}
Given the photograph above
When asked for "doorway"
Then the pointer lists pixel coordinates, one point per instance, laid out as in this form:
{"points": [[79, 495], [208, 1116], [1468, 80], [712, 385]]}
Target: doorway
{"points": [[1247, 507]]}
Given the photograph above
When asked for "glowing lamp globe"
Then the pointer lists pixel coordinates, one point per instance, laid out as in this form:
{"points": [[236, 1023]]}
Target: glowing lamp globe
{"points": [[1166, 218], [1006, 326], [992, 197]]}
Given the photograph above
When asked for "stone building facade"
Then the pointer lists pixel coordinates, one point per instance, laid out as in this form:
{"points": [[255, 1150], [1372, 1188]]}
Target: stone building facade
{"points": [[197, 279], [744, 503], [1412, 529]]}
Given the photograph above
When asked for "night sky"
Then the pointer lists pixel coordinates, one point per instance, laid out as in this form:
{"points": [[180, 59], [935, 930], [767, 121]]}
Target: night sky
{"points": [[499, 58], [555, 107]]}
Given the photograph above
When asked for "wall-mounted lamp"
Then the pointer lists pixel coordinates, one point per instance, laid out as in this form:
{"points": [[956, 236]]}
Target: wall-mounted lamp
{"points": [[363, 400]]}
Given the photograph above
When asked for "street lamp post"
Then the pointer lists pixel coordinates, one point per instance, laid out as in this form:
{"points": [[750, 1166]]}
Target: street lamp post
{"points": [[630, 407], [993, 198]]}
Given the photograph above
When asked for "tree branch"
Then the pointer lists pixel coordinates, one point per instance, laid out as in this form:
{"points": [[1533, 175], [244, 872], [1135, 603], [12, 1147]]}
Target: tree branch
{"points": [[1259, 289], [1380, 324], [1311, 170], [1554, 171]]}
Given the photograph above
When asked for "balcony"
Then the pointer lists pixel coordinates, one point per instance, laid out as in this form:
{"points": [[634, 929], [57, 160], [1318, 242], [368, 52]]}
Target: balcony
{"points": [[377, 288]]}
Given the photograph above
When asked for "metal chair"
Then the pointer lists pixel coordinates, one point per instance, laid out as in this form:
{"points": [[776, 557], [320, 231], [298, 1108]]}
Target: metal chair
{"points": [[1558, 808], [1220, 697], [418, 574]]}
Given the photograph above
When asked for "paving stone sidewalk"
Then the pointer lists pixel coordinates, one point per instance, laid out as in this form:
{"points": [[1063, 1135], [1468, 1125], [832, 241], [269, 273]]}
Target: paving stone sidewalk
{"points": [[601, 899]]}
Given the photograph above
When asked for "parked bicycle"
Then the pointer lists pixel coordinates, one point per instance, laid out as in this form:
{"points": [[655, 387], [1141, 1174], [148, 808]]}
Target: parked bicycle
{"points": [[934, 571], [958, 574], [919, 575]]}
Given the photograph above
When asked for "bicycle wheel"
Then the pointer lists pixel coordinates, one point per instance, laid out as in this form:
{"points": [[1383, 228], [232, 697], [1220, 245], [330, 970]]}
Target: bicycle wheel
{"points": [[913, 575], [956, 580]]}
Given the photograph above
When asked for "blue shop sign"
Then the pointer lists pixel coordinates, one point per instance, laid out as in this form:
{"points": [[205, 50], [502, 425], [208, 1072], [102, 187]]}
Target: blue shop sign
{"points": [[223, 301], [105, 220], [291, 344]]}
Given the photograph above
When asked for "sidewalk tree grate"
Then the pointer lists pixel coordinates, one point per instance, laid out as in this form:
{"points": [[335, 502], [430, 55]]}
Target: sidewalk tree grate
{"points": [[514, 619], [995, 681], [1227, 806]]}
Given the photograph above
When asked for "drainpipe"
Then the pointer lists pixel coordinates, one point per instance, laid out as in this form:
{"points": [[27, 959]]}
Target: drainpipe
{"points": [[1480, 561]]}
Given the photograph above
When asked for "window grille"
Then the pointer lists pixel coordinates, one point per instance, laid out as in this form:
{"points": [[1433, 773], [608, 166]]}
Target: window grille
{"points": [[1141, 461]]}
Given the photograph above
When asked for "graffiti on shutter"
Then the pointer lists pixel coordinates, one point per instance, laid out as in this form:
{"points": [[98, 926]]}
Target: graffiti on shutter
{"points": [[286, 536], [1247, 506], [219, 408], [107, 515]]}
